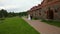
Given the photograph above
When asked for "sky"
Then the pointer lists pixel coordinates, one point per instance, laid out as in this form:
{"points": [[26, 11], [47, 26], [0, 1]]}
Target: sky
{"points": [[18, 5]]}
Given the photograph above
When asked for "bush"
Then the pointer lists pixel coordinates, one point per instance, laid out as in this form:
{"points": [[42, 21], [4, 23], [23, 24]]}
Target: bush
{"points": [[35, 18], [52, 22]]}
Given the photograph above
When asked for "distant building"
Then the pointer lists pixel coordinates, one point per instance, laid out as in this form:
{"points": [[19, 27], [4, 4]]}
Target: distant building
{"points": [[48, 9]]}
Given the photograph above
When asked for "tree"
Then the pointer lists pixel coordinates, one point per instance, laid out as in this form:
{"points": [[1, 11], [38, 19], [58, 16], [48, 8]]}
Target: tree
{"points": [[23, 13], [3, 13]]}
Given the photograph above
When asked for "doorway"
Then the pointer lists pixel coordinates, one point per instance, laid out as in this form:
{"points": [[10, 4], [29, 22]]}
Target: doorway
{"points": [[50, 14]]}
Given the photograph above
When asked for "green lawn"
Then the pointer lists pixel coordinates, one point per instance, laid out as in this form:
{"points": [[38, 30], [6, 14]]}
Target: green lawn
{"points": [[16, 25], [51, 22]]}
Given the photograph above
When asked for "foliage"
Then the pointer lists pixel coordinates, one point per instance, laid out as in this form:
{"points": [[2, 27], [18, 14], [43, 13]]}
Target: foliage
{"points": [[22, 13], [3, 13], [12, 14], [52, 22]]}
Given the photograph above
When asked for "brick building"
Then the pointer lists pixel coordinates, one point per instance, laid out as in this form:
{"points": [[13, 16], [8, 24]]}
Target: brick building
{"points": [[48, 9]]}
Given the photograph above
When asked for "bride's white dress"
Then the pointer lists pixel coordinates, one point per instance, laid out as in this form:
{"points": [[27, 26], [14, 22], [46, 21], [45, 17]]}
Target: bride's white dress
{"points": [[29, 18]]}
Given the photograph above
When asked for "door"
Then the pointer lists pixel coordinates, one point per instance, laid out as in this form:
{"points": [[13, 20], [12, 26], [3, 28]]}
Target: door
{"points": [[50, 14]]}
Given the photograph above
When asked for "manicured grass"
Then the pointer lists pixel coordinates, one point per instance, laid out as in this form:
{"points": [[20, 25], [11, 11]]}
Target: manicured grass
{"points": [[55, 23], [16, 25]]}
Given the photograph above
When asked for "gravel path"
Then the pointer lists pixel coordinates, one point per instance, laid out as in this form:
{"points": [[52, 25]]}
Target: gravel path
{"points": [[43, 28]]}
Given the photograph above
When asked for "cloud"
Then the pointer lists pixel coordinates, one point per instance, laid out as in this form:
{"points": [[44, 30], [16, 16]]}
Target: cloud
{"points": [[18, 5], [8, 7], [2, 0]]}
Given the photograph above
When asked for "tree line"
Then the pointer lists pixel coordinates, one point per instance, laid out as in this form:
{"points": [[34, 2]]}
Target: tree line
{"points": [[4, 13]]}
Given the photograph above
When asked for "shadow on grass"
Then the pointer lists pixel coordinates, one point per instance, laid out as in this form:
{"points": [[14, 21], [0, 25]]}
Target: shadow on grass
{"points": [[52, 22]]}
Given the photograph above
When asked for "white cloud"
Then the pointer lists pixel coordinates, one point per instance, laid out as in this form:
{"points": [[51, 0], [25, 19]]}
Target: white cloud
{"points": [[21, 5], [2, 0], [8, 7]]}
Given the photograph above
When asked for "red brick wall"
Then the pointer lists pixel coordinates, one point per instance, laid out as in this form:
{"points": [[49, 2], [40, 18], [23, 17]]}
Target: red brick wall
{"points": [[44, 6]]}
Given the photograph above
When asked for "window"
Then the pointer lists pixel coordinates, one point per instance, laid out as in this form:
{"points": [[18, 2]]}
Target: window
{"points": [[56, 11]]}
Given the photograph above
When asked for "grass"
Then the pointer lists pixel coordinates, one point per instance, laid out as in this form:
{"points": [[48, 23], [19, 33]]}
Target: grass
{"points": [[16, 25], [51, 22]]}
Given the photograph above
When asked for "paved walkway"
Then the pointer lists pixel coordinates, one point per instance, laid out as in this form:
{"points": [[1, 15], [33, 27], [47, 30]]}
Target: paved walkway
{"points": [[43, 28]]}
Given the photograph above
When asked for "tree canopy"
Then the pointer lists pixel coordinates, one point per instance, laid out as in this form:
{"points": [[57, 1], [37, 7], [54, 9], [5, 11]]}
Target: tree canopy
{"points": [[3, 13]]}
